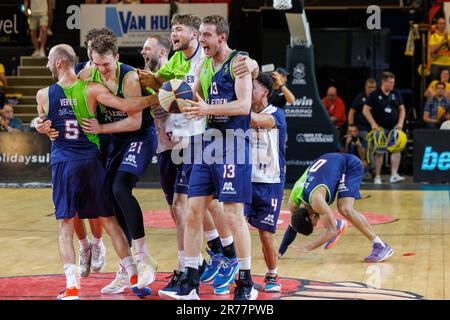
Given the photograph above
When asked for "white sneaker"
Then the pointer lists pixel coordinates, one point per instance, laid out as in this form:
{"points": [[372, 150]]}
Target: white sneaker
{"points": [[146, 268], [42, 53], [396, 178], [98, 257], [35, 54], [84, 261], [119, 284], [377, 180]]}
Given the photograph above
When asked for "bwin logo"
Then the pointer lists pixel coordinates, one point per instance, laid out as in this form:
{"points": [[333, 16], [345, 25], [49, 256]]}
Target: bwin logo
{"points": [[432, 159], [228, 186]]}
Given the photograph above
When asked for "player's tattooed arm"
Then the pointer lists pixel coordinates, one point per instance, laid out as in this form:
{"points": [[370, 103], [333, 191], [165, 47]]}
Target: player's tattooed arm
{"points": [[320, 205], [262, 120], [42, 125]]}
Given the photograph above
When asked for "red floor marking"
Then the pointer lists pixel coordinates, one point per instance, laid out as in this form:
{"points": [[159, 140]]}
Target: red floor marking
{"points": [[162, 219], [46, 287]]}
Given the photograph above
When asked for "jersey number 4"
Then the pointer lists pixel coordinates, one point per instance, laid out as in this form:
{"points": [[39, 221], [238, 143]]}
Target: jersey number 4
{"points": [[72, 131]]}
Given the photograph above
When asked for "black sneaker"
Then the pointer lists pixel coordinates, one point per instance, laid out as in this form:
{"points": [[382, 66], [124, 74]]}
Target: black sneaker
{"points": [[174, 279], [245, 291], [181, 290]]}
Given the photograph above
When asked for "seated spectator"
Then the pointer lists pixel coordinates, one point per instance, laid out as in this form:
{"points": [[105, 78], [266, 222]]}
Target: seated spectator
{"points": [[281, 94], [335, 107], [435, 108], [444, 78], [355, 115], [10, 122], [438, 45]]}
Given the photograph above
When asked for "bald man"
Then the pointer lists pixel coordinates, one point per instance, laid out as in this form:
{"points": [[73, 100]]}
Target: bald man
{"points": [[335, 107], [77, 171]]}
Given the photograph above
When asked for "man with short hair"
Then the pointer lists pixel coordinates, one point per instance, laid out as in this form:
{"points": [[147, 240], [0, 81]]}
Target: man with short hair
{"points": [[268, 177], [12, 123], [335, 107], [435, 108], [77, 172], [38, 20], [439, 44], [355, 115], [385, 108]]}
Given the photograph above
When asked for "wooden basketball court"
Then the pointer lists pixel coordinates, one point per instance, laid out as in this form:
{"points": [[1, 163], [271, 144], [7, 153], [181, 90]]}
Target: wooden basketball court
{"points": [[420, 237]]}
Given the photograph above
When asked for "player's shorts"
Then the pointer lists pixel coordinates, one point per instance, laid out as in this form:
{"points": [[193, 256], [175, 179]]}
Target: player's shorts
{"points": [[339, 173], [226, 182], [37, 21], [130, 156], [167, 174], [79, 189], [264, 210]]}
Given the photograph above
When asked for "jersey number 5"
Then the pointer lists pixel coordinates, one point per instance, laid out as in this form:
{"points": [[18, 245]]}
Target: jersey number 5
{"points": [[72, 132]]}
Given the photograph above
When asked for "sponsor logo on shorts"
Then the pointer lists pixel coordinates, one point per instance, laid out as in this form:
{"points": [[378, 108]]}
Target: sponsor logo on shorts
{"points": [[269, 219], [228, 188]]}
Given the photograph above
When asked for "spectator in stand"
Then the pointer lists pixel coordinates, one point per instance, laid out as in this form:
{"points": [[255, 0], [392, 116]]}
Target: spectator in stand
{"points": [[435, 108], [38, 19], [335, 107], [10, 122], [281, 94], [385, 108], [356, 146], [444, 78], [355, 115], [439, 44], [3, 85], [446, 124]]}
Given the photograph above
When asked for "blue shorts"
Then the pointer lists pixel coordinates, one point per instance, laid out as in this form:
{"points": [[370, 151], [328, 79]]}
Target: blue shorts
{"points": [[340, 173], [79, 189], [174, 178], [264, 210], [132, 156], [226, 182]]}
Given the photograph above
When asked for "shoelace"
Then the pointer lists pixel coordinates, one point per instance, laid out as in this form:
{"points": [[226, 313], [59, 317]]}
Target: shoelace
{"points": [[173, 278]]}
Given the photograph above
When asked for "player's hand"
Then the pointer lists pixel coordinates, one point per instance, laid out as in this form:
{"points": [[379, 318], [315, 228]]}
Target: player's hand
{"points": [[147, 79], [277, 79], [244, 66], [399, 126], [52, 134], [42, 125], [197, 109], [375, 126], [91, 126]]}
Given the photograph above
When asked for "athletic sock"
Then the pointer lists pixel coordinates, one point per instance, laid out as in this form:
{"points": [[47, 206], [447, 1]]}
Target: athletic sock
{"points": [[229, 252], [289, 236], [96, 242], [181, 263], [71, 275], [378, 240], [215, 245], [127, 263], [141, 248]]}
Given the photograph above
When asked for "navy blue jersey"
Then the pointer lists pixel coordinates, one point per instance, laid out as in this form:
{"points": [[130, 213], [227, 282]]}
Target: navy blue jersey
{"points": [[110, 115], [80, 66], [72, 143]]}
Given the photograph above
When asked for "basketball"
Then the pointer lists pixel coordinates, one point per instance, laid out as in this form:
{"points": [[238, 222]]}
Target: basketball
{"points": [[172, 95]]}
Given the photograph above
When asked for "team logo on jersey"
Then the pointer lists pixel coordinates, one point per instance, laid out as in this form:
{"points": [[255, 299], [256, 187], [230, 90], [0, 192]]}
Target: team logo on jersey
{"points": [[299, 74]]}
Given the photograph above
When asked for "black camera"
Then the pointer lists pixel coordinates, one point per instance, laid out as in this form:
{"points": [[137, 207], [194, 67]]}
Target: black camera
{"points": [[354, 139]]}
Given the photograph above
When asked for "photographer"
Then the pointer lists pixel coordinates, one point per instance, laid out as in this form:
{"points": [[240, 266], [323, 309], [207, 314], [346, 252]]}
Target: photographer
{"points": [[281, 94]]}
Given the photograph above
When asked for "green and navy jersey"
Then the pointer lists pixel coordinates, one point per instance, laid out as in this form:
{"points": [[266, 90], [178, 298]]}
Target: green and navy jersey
{"points": [[218, 88], [66, 109], [110, 115]]}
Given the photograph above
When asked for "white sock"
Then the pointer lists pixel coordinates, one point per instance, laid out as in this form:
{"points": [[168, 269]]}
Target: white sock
{"points": [[273, 271], [200, 260], [141, 248], [71, 275], [181, 263], [245, 263], [191, 262], [211, 235], [127, 263], [84, 243], [226, 241], [96, 242], [378, 240]]}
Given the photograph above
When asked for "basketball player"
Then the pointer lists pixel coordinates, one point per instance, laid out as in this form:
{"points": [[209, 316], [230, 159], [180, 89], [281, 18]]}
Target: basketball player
{"points": [[182, 131], [268, 149], [92, 255], [77, 171], [314, 192], [132, 146], [228, 105]]}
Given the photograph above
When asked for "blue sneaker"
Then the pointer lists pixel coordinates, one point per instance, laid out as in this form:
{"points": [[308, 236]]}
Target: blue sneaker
{"points": [[272, 282], [174, 279], [244, 291], [227, 273], [182, 290], [212, 267], [141, 292], [379, 253], [341, 225]]}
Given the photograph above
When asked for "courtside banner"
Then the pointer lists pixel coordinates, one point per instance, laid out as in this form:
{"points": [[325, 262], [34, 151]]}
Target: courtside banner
{"points": [[432, 156], [133, 23], [24, 157], [310, 130]]}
